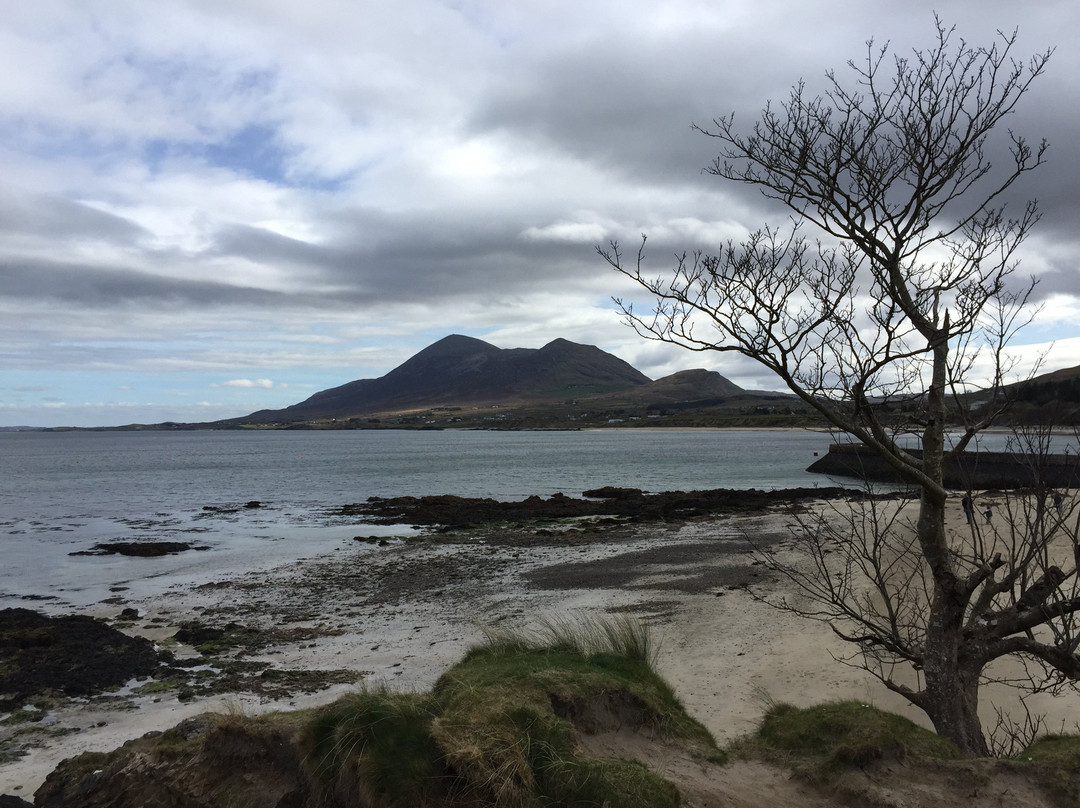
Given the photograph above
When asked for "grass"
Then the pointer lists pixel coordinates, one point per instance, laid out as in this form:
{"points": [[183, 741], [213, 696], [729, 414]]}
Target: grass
{"points": [[377, 746], [502, 726], [21, 715], [585, 636], [505, 727], [1061, 750], [822, 740], [1054, 761]]}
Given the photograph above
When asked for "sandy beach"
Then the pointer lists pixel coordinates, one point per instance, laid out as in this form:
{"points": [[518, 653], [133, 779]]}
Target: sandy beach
{"points": [[401, 615]]}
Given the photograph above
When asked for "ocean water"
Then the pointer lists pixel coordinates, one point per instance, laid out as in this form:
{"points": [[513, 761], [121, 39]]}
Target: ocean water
{"points": [[63, 492]]}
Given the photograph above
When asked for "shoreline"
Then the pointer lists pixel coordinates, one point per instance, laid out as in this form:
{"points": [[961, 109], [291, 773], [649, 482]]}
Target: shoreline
{"points": [[404, 614], [401, 614]]}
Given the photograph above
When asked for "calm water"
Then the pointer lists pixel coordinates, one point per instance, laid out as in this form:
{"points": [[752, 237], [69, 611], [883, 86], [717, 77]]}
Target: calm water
{"points": [[61, 492]]}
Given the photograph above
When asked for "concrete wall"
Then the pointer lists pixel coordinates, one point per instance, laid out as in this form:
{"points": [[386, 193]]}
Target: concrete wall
{"points": [[976, 470]]}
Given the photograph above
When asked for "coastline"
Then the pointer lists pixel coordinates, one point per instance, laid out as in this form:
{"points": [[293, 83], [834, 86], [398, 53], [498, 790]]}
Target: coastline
{"points": [[400, 614]]}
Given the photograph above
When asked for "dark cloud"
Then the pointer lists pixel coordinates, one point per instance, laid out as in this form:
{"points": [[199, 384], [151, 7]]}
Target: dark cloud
{"points": [[629, 109], [93, 287], [27, 215], [263, 246], [375, 177]]}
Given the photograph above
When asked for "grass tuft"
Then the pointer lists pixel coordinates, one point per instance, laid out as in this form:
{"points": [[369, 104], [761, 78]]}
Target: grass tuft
{"points": [[826, 738], [584, 635], [502, 726], [376, 745], [1058, 749]]}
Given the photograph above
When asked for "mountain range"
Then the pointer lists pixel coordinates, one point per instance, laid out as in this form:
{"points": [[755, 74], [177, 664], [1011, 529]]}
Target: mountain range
{"points": [[460, 373], [465, 382]]}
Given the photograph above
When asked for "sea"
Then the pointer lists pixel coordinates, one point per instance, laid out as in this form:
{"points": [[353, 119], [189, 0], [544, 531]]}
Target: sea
{"points": [[64, 492]]}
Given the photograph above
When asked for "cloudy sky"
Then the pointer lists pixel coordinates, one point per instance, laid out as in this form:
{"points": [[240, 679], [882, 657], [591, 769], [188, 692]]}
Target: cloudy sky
{"points": [[209, 207]]}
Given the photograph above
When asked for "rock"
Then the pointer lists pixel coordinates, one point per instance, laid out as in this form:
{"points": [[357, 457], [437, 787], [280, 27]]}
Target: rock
{"points": [[205, 761], [73, 654], [197, 634], [628, 503], [370, 539], [980, 470], [613, 492], [141, 549]]}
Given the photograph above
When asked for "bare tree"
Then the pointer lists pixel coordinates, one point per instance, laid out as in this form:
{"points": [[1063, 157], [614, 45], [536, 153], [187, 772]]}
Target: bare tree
{"points": [[909, 282], [858, 567]]}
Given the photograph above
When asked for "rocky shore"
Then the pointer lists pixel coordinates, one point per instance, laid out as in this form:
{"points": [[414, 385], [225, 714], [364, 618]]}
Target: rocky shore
{"points": [[402, 611]]}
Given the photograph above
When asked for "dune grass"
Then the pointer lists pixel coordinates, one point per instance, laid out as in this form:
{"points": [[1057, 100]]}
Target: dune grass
{"points": [[501, 727], [375, 747], [822, 740], [583, 635]]}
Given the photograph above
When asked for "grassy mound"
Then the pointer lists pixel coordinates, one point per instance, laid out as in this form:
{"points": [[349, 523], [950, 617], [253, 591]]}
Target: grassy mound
{"points": [[500, 727], [1054, 761], [827, 738]]}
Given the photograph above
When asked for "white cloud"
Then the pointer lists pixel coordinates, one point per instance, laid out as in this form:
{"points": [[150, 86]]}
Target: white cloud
{"points": [[573, 232], [265, 384]]}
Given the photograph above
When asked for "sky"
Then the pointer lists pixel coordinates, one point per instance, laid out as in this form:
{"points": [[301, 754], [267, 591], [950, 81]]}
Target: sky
{"points": [[211, 207]]}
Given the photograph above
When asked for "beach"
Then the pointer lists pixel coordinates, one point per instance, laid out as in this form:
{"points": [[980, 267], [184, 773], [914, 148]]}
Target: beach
{"points": [[401, 615], [398, 612]]}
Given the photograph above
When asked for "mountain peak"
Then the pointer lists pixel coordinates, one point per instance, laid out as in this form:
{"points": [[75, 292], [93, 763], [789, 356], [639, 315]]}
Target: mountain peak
{"points": [[458, 370], [454, 343], [452, 354]]}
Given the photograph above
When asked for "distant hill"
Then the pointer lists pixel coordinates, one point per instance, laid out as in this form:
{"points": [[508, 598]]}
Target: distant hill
{"points": [[1065, 374], [1052, 398], [688, 385], [462, 371]]}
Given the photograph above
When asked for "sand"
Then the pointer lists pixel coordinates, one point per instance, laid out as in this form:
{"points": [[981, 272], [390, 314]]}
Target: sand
{"points": [[405, 613]]}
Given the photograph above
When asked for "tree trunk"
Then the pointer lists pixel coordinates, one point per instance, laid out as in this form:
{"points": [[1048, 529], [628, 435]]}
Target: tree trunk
{"points": [[952, 688]]}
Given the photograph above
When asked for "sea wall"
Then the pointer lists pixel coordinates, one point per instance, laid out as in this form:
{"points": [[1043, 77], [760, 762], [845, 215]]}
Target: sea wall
{"points": [[975, 470]]}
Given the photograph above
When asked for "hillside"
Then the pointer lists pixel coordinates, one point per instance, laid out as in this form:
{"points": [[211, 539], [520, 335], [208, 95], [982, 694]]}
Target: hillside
{"points": [[465, 382], [462, 380], [458, 371], [688, 385], [1052, 398]]}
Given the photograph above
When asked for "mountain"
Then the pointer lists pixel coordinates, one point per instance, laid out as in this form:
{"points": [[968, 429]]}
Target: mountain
{"points": [[689, 385], [457, 371], [465, 382]]}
